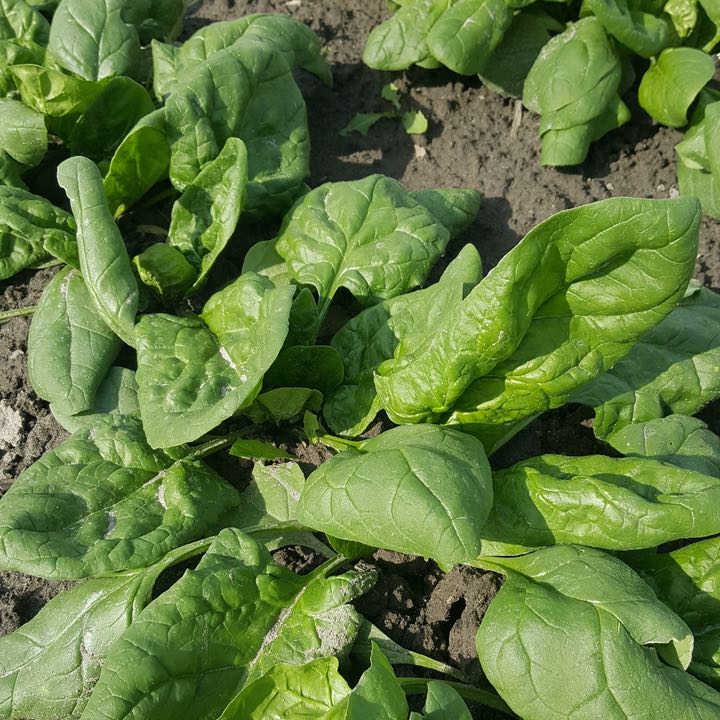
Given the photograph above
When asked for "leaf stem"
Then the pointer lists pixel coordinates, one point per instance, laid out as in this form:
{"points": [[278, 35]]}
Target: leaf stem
{"points": [[210, 447], [329, 565], [6, 315], [414, 686]]}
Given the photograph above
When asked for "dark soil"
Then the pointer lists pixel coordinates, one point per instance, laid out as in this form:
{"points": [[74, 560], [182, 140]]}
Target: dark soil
{"points": [[475, 139]]}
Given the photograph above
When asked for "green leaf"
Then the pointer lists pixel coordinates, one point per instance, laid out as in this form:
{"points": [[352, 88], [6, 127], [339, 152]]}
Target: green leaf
{"points": [[104, 501], [23, 135], [677, 439], [672, 83], [414, 122], [684, 15], [444, 703], [422, 490], [306, 366], [369, 236], [558, 310], [295, 41], [610, 503], [70, 348], [48, 668], [402, 40], [164, 268], [27, 223], [644, 33], [672, 369], [262, 258], [372, 337], [246, 91], [116, 395], [283, 405], [304, 318], [700, 184], [390, 93], [205, 216], [194, 372], [580, 623], [362, 122], [104, 260], [455, 208], [688, 582], [258, 450], [252, 614], [467, 33]]}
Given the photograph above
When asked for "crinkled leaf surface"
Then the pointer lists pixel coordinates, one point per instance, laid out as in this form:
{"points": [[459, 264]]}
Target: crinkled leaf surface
{"points": [[164, 269], [104, 260], [27, 221], [250, 613], [422, 490], [677, 439], [372, 336], [70, 348], [560, 308], [369, 236], [104, 501], [205, 216], [570, 626], [23, 135], [194, 372], [245, 91], [672, 369], [611, 503]]}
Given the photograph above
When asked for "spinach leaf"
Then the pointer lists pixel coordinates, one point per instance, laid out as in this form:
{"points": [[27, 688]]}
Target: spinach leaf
{"points": [[27, 223], [23, 135], [258, 450], [573, 85], [610, 503], [672, 83], [252, 613], [164, 269], [283, 405], [556, 311], [688, 582], [578, 623], [70, 348], [369, 236], [422, 490], [372, 337], [104, 260], [467, 33], [104, 501], [455, 208], [304, 317], [678, 439], [23, 37], [205, 216], [318, 367], [296, 41], [246, 91], [672, 369], [194, 372], [443, 703]]}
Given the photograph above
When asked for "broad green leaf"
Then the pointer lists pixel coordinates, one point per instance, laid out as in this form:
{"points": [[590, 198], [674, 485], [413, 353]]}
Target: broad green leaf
{"points": [[70, 348], [295, 41], [693, 149], [251, 614], [304, 318], [684, 15], [194, 372], [105, 38], [700, 184], [644, 33], [258, 450], [23, 37], [559, 309], [672, 369], [164, 268], [23, 135], [205, 216], [455, 208], [306, 366], [671, 84], [104, 260], [414, 122], [574, 82], [283, 405], [677, 439], [290, 692], [246, 91], [116, 395], [422, 490], [512, 59], [104, 501], [569, 628], [141, 160], [49, 666], [369, 236], [262, 258], [362, 122], [610, 503], [11, 172], [402, 40], [27, 222], [444, 703], [688, 582], [467, 33], [371, 337]]}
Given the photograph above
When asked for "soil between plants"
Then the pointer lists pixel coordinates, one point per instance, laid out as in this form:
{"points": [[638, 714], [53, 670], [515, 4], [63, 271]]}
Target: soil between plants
{"points": [[475, 139]]}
